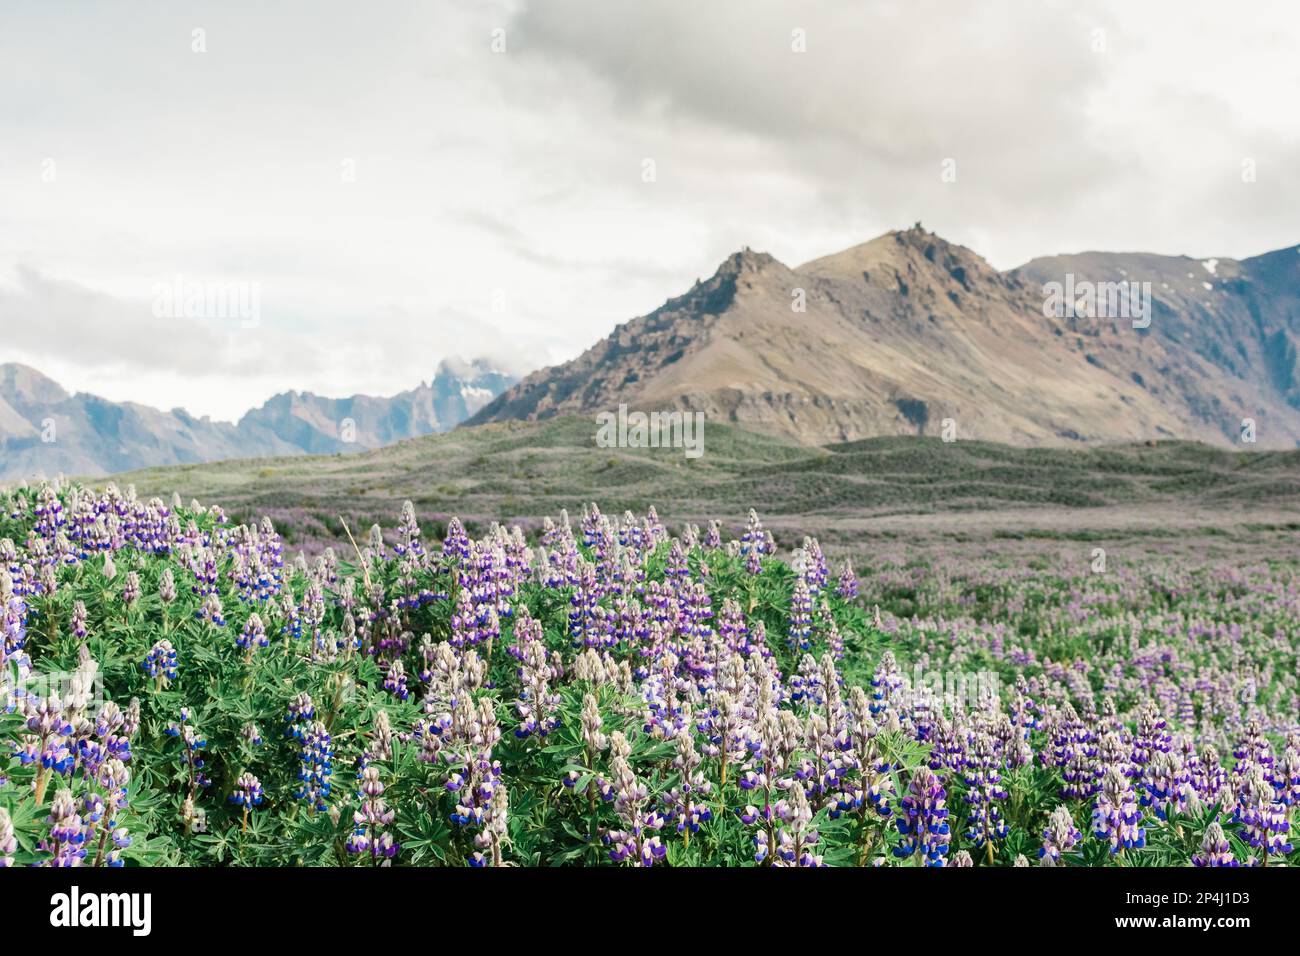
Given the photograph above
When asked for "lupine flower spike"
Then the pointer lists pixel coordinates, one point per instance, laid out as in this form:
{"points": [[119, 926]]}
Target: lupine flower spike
{"points": [[247, 794]]}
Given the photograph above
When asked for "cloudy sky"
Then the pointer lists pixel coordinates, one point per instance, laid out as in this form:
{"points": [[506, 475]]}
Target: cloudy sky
{"points": [[397, 182]]}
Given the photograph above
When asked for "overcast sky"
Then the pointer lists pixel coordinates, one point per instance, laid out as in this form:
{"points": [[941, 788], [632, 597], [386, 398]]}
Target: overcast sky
{"points": [[395, 191]]}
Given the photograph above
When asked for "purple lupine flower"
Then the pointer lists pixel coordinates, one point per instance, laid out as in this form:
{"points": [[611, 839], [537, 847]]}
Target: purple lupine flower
{"points": [[1014, 742], [464, 620], [801, 616], [455, 546], [1075, 751], [1151, 736], [1166, 784], [949, 739], [796, 839], [1209, 777], [160, 662], [131, 718], [589, 624], [755, 544], [846, 586], [675, 567], [65, 840], [922, 820], [252, 635], [248, 791], [559, 567], [13, 629], [696, 612], [886, 681], [115, 779], [369, 834], [1254, 748], [92, 808], [1286, 776], [636, 842], [474, 787], [1061, 836], [1215, 848], [494, 832], [78, 623], [984, 791], [381, 747], [527, 630], [1116, 817], [131, 589], [490, 581], [49, 742], [538, 706], [408, 533], [814, 570], [247, 794], [395, 680], [120, 840], [592, 737], [202, 563], [686, 803], [1264, 819], [301, 712], [48, 512], [317, 766], [195, 743], [211, 611], [874, 770], [476, 782], [167, 587], [732, 627]]}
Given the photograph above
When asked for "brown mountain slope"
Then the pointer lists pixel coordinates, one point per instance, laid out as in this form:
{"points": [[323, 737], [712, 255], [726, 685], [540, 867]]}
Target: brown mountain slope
{"points": [[906, 330]]}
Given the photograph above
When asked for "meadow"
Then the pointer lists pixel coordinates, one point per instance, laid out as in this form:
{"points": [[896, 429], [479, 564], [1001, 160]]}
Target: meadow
{"points": [[854, 496], [603, 689]]}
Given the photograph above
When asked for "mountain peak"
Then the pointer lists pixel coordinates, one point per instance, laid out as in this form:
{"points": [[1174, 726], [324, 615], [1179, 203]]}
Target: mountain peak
{"points": [[21, 384], [744, 263], [903, 258], [746, 260]]}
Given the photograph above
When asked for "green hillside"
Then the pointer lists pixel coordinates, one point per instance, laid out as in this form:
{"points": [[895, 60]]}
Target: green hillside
{"points": [[523, 470]]}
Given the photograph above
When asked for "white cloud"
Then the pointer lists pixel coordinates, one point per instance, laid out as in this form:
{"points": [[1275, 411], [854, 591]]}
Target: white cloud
{"points": [[498, 204]]}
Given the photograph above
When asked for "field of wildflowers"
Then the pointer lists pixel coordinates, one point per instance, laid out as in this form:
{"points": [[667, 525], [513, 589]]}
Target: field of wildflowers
{"points": [[175, 690]]}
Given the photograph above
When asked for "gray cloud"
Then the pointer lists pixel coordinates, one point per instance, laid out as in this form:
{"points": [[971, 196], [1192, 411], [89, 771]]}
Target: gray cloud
{"points": [[1060, 117], [92, 328]]}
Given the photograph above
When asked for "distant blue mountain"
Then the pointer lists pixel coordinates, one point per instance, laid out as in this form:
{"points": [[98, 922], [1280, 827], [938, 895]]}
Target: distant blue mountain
{"points": [[44, 430]]}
